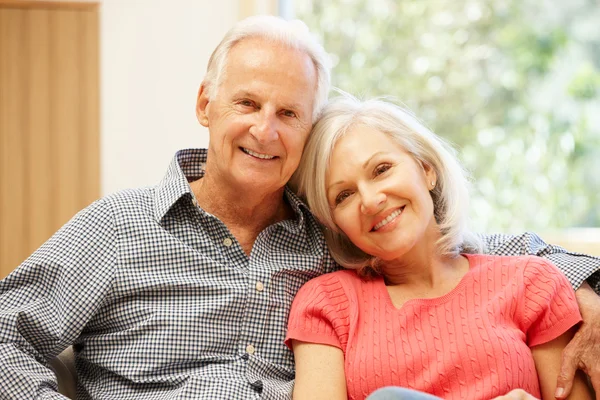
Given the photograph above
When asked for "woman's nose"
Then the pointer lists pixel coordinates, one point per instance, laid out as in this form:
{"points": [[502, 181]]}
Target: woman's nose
{"points": [[372, 201]]}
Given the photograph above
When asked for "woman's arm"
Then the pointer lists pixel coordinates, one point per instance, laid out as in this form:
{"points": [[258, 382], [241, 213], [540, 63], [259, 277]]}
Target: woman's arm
{"points": [[319, 372], [547, 358]]}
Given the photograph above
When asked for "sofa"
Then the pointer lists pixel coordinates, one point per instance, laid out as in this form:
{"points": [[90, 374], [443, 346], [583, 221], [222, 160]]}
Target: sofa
{"points": [[64, 368]]}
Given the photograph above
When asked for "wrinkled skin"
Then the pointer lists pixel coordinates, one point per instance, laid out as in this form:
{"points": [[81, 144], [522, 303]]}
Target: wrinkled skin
{"points": [[583, 352]]}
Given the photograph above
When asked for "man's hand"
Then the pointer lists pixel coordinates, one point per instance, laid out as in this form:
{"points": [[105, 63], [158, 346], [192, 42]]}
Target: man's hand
{"points": [[583, 352], [516, 394]]}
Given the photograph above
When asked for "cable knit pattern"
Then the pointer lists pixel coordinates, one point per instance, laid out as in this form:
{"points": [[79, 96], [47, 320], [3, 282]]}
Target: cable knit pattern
{"points": [[472, 343]]}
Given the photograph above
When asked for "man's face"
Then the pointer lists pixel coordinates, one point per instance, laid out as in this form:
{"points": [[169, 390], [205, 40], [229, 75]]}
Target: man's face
{"points": [[261, 116]]}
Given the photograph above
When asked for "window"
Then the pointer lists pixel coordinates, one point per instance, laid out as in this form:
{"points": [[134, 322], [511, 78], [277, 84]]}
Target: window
{"points": [[514, 84]]}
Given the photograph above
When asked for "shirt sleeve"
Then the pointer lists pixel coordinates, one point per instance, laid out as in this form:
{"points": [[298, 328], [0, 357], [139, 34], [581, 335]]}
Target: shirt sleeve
{"points": [[549, 307], [575, 266], [320, 313], [46, 301]]}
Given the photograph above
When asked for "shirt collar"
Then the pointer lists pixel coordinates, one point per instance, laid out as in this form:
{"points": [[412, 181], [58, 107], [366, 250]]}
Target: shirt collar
{"points": [[298, 206], [188, 166]]}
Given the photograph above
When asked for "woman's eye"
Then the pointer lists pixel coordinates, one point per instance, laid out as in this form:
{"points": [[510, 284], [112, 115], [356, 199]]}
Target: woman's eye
{"points": [[341, 197], [381, 168]]}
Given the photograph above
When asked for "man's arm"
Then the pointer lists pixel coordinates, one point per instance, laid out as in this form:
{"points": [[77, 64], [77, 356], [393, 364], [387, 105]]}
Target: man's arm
{"points": [[583, 351], [46, 302], [547, 358], [576, 267]]}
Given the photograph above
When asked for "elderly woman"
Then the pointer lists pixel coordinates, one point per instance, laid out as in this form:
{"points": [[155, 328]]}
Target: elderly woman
{"points": [[418, 307]]}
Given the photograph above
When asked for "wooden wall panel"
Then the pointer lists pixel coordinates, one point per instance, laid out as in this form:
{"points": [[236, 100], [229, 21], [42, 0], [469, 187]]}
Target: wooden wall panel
{"points": [[90, 103], [66, 113], [49, 122], [13, 176], [42, 173]]}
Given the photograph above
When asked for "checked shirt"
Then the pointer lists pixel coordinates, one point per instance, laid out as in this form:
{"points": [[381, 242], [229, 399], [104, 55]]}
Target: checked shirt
{"points": [[160, 301]]}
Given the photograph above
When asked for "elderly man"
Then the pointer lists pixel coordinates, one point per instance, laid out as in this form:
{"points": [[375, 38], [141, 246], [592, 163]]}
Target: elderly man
{"points": [[182, 290]]}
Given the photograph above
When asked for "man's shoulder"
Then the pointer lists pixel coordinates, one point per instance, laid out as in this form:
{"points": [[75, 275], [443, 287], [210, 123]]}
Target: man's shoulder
{"points": [[129, 197], [131, 194], [122, 203]]}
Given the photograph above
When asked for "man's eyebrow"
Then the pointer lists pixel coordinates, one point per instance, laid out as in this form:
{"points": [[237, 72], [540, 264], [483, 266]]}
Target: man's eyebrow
{"points": [[292, 106], [286, 106], [243, 93]]}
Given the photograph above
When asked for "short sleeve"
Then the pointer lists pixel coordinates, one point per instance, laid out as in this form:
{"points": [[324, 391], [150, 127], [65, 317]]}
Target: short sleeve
{"points": [[549, 307], [575, 266], [320, 313]]}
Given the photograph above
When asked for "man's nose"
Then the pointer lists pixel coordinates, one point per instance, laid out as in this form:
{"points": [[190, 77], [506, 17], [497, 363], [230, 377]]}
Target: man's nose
{"points": [[265, 127], [372, 201]]}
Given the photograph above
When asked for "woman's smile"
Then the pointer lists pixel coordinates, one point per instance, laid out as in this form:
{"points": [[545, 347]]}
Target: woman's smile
{"points": [[389, 221]]}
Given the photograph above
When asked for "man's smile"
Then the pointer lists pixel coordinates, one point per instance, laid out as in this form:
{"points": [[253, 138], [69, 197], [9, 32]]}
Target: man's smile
{"points": [[257, 155]]}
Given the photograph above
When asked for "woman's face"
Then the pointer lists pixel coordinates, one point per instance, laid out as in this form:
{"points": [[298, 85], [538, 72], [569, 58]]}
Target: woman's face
{"points": [[379, 193]]}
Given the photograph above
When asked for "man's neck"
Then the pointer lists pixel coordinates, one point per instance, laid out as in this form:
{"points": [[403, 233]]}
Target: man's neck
{"points": [[244, 214]]}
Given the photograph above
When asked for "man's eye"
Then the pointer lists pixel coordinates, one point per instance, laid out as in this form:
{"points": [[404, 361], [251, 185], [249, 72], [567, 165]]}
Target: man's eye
{"points": [[341, 197], [381, 168], [246, 103], [289, 113]]}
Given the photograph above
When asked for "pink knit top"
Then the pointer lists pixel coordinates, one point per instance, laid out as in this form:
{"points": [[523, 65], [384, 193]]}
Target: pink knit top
{"points": [[472, 343]]}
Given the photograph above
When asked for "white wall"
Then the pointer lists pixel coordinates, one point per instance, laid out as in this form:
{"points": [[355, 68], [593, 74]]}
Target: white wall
{"points": [[153, 58]]}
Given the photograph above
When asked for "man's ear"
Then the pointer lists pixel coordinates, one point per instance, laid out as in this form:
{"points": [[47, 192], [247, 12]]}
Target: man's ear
{"points": [[202, 105]]}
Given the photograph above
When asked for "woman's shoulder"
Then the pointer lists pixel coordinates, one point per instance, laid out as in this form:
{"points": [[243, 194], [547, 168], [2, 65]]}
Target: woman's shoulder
{"points": [[343, 275], [525, 270], [513, 262], [342, 282]]}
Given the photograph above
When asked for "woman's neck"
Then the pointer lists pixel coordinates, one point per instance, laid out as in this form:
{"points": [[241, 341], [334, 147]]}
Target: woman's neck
{"points": [[424, 267]]}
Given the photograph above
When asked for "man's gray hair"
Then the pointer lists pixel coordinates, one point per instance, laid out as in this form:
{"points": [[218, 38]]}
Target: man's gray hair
{"points": [[294, 34], [450, 195]]}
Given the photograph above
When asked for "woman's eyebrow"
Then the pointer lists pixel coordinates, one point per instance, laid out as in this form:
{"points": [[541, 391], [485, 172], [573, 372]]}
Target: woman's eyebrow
{"points": [[371, 158]]}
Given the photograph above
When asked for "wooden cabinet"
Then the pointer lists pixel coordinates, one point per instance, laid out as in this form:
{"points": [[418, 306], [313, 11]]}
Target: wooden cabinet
{"points": [[49, 121]]}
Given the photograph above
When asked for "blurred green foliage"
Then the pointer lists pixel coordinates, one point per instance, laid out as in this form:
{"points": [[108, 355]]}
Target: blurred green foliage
{"points": [[514, 84]]}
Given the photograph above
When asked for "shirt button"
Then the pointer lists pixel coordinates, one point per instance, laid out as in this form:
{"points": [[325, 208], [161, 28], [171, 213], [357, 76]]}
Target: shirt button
{"points": [[227, 242], [259, 286], [250, 349], [194, 201]]}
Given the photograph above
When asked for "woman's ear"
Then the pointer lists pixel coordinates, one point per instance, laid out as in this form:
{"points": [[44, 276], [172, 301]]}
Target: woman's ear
{"points": [[430, 175], [202, 105]]}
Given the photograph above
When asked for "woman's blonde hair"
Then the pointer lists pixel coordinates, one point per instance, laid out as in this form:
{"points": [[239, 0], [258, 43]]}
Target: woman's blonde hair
{"points": [[450, 195]]}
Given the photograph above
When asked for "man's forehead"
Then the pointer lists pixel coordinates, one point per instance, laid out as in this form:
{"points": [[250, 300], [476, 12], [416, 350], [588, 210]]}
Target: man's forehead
{"points": [[266, 70], [260, 52]]}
